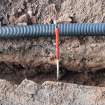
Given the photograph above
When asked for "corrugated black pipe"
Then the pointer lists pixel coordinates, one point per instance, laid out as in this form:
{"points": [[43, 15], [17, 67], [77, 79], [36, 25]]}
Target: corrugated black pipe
{"points": [[47, 30]]}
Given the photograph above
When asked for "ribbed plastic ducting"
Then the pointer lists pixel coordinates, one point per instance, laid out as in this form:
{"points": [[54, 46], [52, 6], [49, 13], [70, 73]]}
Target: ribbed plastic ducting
{"points": [[47, 30]]}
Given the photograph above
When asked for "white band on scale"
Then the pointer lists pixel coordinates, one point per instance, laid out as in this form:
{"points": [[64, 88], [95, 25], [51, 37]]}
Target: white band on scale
{"points": [[57, 61]]}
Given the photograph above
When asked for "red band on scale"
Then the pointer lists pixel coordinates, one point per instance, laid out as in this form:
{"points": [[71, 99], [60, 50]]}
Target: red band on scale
{"points": [[57, 43]]}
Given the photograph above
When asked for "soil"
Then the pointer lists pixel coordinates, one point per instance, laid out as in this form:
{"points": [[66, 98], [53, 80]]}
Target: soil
{"points": [[17, 72], [27, 66]]}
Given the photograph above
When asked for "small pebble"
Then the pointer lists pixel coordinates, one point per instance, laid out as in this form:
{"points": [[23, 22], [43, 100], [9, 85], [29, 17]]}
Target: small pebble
{"points": [[33, 19]]}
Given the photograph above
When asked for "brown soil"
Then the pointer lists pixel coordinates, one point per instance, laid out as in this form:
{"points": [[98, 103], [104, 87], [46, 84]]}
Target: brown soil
{"points": [[16, 73], [86, 13]]}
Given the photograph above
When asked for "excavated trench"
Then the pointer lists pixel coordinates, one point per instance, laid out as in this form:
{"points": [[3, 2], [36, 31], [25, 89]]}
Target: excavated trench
{"points": [[15, 73], [20, 59]]}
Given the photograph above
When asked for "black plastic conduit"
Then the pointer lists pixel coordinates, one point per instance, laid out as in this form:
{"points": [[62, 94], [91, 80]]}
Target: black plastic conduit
{"points": [[45, 30]]}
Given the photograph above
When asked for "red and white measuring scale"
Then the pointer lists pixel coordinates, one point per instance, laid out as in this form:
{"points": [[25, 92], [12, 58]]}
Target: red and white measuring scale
{"points": [[57, 32]]}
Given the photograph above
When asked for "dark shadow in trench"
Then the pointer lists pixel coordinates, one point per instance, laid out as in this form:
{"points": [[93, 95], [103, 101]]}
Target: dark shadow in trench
{"points": [[15, 73]]}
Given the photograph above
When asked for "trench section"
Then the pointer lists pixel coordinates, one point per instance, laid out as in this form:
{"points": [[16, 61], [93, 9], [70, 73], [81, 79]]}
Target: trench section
{"points": [[30, 49]]}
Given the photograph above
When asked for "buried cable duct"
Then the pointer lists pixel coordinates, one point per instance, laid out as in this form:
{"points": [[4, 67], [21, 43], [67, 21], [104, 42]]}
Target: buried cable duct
{"points": [[47, 30]]}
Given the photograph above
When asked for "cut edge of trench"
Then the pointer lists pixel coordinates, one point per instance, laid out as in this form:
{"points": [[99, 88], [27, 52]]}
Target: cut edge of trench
{"points": [[16, 73]]}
